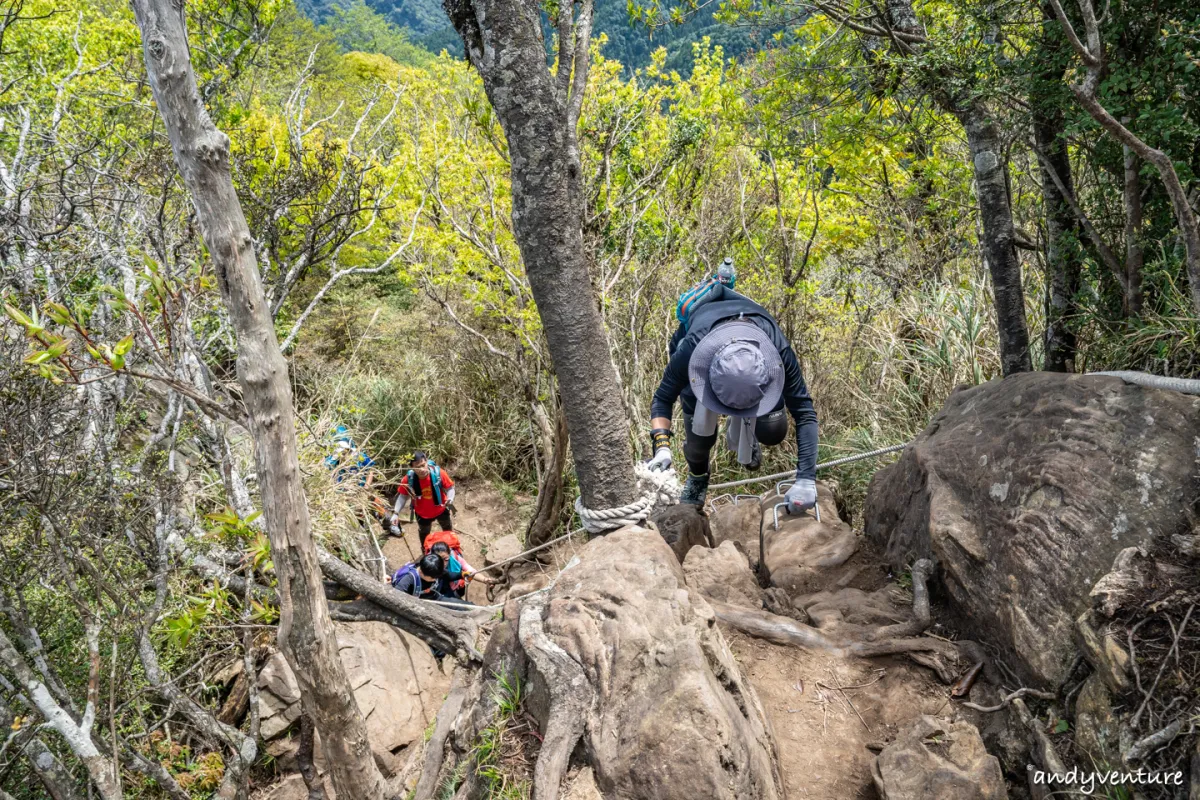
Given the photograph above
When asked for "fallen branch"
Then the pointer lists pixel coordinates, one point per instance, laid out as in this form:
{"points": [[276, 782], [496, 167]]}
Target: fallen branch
{"points": [[1148, 744], [452, 631], [1161, 667], [1018, 694]]}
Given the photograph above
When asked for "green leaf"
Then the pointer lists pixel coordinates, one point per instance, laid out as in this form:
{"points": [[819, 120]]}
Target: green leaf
{"points": [[38, 358], [124, 346], [59, 313], [1061, 726], [118, 361], [58, 348], [17, 315]]}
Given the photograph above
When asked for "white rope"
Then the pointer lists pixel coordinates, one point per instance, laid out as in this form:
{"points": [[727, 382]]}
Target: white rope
{"points": [[655, 490]]}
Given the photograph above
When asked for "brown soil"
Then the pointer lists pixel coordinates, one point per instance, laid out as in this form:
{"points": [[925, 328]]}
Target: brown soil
{"points": [[823, 732]]}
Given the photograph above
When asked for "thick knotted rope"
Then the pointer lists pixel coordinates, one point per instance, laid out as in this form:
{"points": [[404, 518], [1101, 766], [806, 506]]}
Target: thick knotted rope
{"points": [[655, 490]]}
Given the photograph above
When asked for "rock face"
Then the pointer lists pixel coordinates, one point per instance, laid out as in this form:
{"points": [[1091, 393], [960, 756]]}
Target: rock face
{"points": [[502, 549], [796, 554], [738, 524], [722, 574], [673, 716], [683, 527], [938, 760], [396, 682], [1024, 489]]}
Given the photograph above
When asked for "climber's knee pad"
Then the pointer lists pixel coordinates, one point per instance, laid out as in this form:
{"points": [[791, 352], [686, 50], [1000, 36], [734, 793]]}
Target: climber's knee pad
{"points": [[771, 429]]}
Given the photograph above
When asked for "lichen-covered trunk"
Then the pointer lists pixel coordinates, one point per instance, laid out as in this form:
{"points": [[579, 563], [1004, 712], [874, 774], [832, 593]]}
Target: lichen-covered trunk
{"points": [[503, 40], [306, 634], [1064, 255], [999, 250]]}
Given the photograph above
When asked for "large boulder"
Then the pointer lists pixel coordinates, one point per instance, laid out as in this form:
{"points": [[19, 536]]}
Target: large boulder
{"points": [[396, 682], [738, 523], [672, 716], [797, 555], [934, 759], [683, 526], [723, 574], [1024, 489]]}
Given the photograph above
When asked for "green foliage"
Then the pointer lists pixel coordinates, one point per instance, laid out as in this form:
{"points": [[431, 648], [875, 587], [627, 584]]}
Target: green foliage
{"points": [[356, 26]]}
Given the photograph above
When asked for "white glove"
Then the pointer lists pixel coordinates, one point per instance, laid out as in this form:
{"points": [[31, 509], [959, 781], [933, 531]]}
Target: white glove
{"points": [[801, 497], [661, 461], [395, 520]]}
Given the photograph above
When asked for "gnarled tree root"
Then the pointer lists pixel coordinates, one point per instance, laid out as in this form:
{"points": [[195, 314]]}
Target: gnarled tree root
{"points": [[519, 651], [937, 654]]}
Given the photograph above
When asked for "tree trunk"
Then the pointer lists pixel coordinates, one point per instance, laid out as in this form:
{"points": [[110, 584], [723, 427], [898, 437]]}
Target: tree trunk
{"points": [[1133, 233], [551, 495], [306, 634], [76, 733], [503, 41], [995, 213], [1064, 257], [1093, 57]]}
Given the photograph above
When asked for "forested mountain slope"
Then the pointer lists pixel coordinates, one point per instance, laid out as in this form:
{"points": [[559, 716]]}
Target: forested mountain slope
{"points": [[629, 43]]}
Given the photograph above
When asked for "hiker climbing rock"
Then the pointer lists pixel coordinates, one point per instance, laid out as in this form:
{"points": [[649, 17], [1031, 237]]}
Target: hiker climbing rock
{"points": [[420, 578], [729, 357], [431, 491], [458, 573]]}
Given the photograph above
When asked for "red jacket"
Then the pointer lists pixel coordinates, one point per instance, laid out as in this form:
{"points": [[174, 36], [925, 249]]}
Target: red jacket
{"points": [[425, 506]]}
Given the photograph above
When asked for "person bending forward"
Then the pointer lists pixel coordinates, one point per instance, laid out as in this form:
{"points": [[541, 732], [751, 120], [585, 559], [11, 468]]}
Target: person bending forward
{"points": [[731, 358]]}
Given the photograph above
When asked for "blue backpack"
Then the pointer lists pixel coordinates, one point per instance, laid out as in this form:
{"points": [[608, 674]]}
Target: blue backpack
{"points": [[710, 288], [408, 569], [435, 483]]}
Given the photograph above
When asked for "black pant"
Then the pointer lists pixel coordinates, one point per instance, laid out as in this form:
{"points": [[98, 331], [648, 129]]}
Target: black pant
{"points": [[426, 525], [769, 430]]}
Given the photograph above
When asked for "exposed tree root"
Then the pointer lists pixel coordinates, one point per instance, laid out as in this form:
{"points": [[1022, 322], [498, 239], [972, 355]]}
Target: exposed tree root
{"points": [[939, 655], [571, 699], [520, 652], [1017, 695], [921, 572], [443, 727]]}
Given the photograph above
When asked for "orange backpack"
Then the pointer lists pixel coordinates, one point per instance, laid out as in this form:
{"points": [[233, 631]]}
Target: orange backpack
{"points": [[449, 537]]}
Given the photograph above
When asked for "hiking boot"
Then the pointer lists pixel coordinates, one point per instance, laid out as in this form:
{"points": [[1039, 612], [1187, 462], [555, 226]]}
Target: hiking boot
{"points": [[755, 458], [695, 490]]}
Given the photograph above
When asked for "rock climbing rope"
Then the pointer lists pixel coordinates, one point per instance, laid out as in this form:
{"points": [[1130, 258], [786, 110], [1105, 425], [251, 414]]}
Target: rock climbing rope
{"points": [[655, 490]]}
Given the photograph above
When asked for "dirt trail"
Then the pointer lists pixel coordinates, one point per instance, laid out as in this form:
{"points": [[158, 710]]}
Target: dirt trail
{"points": [[482, 516], [826, 710], [822, 732]]}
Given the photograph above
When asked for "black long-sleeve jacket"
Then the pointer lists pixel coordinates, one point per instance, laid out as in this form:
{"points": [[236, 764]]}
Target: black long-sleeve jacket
{"points": [[675, 385]]}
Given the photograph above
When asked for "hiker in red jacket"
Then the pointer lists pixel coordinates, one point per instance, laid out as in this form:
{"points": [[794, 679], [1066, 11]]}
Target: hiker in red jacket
{"points": [[431, 492]]}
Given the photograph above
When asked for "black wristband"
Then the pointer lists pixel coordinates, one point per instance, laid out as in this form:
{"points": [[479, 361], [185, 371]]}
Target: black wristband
{"points": [[661, 437]]}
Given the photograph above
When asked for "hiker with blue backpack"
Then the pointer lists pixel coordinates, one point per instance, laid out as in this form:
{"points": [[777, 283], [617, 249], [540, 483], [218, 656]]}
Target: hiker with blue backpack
{"points": [[729, 357], [420, 578], [431, 491]]}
